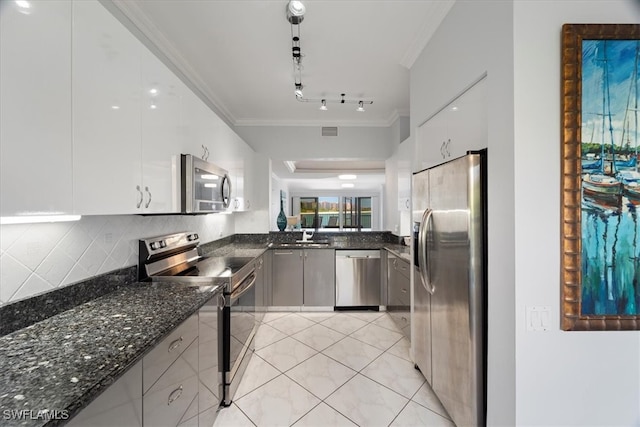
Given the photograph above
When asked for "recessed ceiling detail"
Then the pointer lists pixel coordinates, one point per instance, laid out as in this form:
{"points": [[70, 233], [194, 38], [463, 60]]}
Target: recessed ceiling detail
{"points": [[336, 166]]}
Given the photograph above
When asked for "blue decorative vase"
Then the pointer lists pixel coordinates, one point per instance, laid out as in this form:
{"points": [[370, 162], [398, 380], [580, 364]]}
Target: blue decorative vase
{"points": [[282, 218]]}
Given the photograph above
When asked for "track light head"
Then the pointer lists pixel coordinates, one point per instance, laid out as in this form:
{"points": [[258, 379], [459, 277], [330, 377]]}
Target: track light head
{"points": [[323, 107], [295, 12], [298, 90], [360, 106]]}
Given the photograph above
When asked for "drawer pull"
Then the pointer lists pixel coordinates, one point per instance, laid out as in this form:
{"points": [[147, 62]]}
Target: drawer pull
{"points": [[404, 291], [175, 344], [174, 395]]}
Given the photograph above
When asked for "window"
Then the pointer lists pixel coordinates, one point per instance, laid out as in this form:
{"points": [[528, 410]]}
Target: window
{"points": [[356, 213], [336, 213]]}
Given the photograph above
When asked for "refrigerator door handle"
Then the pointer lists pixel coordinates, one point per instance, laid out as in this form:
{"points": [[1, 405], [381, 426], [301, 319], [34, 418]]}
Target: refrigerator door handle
{"points": [[422, 251]]}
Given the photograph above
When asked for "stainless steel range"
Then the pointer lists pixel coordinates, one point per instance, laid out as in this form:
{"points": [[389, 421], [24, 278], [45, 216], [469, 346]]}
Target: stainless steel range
{"points": [[176, 257]]}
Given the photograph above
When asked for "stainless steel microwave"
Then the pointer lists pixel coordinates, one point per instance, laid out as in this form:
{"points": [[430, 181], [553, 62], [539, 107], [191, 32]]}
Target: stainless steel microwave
{"points": [[205, 187]]}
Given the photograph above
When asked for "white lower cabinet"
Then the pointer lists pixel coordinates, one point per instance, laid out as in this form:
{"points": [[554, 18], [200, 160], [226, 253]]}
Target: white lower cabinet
{"points": [[170, 377], [173, 398], [119, 405], [175, 384]]}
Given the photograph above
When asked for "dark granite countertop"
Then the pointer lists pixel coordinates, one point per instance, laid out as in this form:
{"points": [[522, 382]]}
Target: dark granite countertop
{"points": [[64, 362], [399, 250], [249, 250], [254, 250]]}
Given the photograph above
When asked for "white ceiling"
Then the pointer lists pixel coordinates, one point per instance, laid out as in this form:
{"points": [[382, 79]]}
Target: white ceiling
{"points": [[238, 53]]}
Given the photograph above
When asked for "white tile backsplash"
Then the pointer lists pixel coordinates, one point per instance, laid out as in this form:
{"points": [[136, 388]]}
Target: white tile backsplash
{"points": [[36, 258]]}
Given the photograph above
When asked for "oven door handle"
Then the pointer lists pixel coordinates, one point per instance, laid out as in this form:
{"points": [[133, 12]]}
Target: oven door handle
{"points": [[243, 287]]}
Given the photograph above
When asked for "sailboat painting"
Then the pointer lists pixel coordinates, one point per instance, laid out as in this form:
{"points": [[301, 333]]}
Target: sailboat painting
{"points": [[601, 164]]}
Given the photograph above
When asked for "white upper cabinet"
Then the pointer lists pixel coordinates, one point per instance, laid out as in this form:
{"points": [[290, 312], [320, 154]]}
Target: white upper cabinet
{"points": [[213, 140], [93, 123], [405, 158], [128, 120], [35, 108], [163, 138], [106, 114], [460, 127]]}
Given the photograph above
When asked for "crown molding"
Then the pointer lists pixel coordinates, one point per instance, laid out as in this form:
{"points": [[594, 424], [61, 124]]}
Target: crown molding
{"points": [[171, 56], [436, 14]]}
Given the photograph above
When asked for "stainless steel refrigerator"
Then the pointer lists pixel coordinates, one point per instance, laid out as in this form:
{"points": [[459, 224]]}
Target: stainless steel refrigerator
{"points": [[449, 306]]}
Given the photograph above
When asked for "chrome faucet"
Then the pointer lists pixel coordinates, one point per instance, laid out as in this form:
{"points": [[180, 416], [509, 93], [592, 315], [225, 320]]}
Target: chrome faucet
{"points": [[306, 237]]}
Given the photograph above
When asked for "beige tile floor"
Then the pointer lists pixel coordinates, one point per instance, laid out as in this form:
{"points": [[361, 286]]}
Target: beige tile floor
{"points": [[332, 369]]}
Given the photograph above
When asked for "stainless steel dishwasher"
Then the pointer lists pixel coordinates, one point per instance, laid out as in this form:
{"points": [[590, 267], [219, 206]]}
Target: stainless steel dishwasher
{"points": [[358, 278]]}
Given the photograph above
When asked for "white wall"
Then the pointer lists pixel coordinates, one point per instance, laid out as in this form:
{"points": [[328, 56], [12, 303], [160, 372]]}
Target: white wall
{"points": [[37, 258], [307, 142], [563, 378], [477, 37]]}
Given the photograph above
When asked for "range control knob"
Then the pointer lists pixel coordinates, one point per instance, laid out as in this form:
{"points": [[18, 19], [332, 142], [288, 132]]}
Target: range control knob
{"points": [[153, 245], [163, 244]]}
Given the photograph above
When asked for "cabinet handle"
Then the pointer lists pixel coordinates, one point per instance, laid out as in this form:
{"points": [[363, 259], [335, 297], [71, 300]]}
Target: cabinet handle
{"points": [[174, 395], [395, 263], [141, 197], [404, 291], [248, 203], [237, 203], [284, 253], [205, 153], [406, 203], [149, 193], [175, 344]]}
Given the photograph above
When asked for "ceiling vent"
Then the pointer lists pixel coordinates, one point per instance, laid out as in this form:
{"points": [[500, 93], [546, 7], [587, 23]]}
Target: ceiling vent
{"points": [[329, 131]]}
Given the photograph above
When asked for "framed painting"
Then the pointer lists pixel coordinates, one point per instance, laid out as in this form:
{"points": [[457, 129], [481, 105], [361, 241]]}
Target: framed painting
{"points": [[600, 264]]}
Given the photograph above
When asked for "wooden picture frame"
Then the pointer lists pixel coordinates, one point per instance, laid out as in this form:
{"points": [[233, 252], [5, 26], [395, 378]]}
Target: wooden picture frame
{"points": [[600, 248]]}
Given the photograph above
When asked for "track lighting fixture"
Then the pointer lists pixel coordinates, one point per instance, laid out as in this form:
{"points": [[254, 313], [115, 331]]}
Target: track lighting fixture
{"points": [[295, 15]]}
